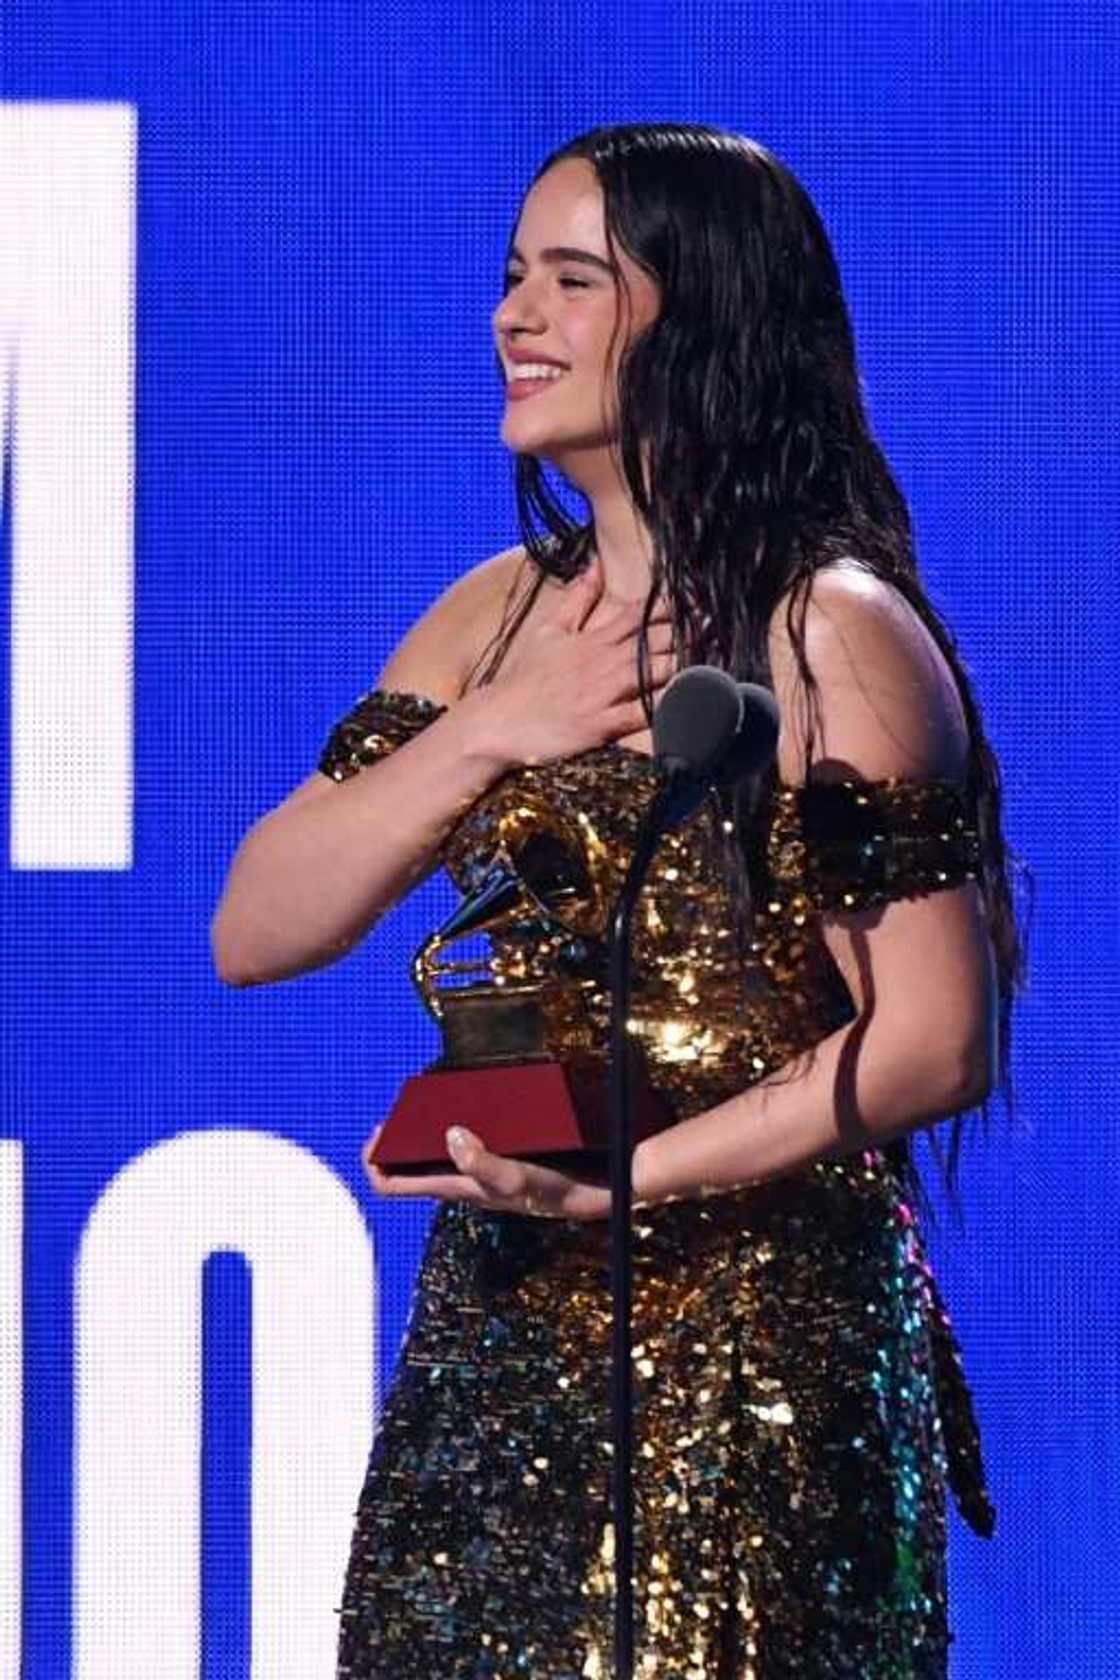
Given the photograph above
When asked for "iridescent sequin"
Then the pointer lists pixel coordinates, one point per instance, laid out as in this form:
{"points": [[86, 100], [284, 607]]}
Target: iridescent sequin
{"points": [[799, 1398]]}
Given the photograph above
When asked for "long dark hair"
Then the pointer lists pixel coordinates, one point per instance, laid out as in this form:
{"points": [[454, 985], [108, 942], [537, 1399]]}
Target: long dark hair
{"points": [[746, 448]]}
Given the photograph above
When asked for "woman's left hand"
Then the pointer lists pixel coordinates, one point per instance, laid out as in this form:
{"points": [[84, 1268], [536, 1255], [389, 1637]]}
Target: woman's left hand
{"points": [[497, 1182]]}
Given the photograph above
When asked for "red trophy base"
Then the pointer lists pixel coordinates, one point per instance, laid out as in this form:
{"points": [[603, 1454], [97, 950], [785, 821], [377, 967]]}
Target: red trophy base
{"points": [[552, 1112]]}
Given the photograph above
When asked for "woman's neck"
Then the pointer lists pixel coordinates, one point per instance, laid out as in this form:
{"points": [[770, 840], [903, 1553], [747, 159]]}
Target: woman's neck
{"points": [[623, 544]]}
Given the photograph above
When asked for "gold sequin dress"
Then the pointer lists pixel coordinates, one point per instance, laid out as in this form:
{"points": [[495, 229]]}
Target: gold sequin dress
{"points": [[799, 1400]]}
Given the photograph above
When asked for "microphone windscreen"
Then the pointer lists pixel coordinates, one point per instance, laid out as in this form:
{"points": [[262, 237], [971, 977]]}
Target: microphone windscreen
{"points": [[755, 744], [696, 720]]}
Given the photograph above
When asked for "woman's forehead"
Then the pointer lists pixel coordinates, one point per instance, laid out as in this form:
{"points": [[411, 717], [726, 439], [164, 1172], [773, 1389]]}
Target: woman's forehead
{"points": [[564, 207]]}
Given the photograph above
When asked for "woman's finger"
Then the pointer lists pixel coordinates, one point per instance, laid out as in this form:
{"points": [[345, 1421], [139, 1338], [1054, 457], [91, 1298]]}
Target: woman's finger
{"points": [[410, 1184], [581, 595], [625, 622], [446, 1185], [497, 1174]]}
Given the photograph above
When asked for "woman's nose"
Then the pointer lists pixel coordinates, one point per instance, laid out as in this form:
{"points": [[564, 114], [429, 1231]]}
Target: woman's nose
{"points": [[519, 308]]}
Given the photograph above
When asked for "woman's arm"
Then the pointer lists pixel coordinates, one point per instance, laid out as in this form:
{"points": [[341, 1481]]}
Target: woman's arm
{"points": [[312, 876], [920, 971]]}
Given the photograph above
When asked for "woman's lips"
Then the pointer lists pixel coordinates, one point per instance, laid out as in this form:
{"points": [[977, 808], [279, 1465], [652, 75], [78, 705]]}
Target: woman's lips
{"points": [[518, 389]]}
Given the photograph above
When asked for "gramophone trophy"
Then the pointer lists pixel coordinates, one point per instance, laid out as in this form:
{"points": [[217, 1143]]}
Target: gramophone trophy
{"points": [[521, 1064]]}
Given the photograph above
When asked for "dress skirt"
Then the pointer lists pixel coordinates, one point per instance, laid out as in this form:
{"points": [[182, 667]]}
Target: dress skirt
{"points": [[799, 1411]]}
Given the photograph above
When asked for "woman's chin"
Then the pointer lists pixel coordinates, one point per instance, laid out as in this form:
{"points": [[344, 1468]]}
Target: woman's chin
{"points": [[529, 440], [546, 443]]}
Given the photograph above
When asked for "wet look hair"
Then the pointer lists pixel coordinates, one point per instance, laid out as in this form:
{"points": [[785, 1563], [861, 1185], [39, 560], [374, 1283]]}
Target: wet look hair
{"points": [[744, 443]]}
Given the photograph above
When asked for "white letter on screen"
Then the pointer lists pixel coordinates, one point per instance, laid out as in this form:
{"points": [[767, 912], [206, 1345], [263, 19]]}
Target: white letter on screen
{"points": [[138, 1330], [67, 259]]}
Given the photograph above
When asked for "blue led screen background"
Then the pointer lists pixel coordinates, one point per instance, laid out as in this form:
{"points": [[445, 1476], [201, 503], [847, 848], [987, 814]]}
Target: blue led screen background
{"points": [[203, 1302]]}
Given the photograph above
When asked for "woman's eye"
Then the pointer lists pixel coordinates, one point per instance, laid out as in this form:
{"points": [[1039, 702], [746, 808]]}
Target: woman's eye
{"points": [[512, 280]]}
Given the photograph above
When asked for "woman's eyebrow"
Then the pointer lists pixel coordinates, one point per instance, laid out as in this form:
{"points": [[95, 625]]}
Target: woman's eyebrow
{"points": [[565, 253]]}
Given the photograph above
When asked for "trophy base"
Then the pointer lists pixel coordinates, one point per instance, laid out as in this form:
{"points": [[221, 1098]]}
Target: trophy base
{"points": [[553, 1113]]}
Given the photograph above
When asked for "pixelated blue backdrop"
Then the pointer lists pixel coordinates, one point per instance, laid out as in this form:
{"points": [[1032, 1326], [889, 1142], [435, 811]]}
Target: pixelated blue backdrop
{"points": [[248, 421]]}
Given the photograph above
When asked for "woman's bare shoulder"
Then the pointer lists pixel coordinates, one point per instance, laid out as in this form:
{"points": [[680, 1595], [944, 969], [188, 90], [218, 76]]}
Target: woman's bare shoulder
{"points": [[890, 702], [439, 652]]}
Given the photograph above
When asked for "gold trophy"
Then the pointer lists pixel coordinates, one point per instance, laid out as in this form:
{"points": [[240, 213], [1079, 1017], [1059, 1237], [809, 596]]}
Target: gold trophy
{"points": [[521, 1064]]}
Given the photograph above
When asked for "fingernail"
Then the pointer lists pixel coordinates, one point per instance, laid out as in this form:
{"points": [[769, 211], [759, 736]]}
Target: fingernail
{"points": [[456, 1139]]}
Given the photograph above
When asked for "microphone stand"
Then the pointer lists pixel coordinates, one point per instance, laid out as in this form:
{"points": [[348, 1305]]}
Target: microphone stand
{"points": [[658, 816]]}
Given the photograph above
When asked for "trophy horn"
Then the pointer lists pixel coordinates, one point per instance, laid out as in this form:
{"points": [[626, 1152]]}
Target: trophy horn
{"points": [[521, 1058], [546, 870]]}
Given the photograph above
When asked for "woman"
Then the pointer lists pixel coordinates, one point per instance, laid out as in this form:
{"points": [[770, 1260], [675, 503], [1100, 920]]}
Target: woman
{"points": [[825, 963]]}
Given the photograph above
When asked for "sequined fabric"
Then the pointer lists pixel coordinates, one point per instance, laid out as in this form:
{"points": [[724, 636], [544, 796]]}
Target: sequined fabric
{"points": [[799, 1400]]}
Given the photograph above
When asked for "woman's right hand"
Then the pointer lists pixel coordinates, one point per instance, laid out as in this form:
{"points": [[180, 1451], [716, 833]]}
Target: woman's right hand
{"points": [[567, 685]]}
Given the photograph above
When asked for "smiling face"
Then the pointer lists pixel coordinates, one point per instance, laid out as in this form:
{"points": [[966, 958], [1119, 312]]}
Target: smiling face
{"points": [[562, 303]]}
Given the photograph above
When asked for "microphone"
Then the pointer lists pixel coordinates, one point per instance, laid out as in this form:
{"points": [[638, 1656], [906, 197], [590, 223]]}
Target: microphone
{"points": [[708, 727]]}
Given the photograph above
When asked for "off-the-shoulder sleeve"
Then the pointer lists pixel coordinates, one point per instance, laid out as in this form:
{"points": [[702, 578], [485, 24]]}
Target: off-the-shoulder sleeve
{"points": [[849, 845], [376, 725]]}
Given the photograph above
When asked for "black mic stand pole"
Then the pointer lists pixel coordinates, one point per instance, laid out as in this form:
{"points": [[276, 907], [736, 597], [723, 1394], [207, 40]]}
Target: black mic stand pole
{"points": [[622, 1431]]}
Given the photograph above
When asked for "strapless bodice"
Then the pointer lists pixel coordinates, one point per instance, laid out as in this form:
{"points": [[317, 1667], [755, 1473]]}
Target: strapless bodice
{"points": [[713, 1013]]}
